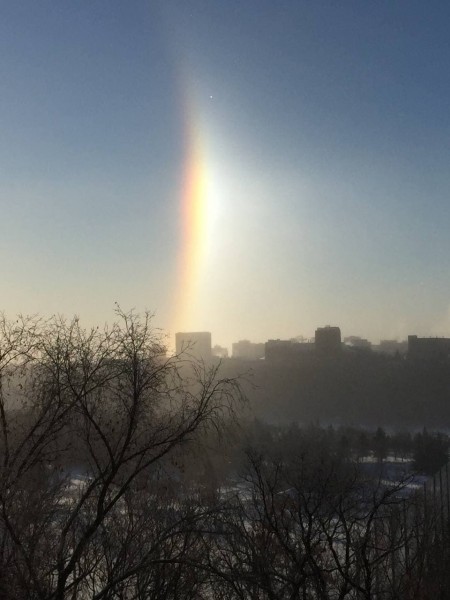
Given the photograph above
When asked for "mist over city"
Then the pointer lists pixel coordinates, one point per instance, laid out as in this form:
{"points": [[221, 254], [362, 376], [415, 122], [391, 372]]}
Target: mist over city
{"points": [[224, 302]]}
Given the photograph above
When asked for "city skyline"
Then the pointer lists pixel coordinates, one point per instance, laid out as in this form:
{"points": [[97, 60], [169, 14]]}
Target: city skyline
{"points": [[250, 169], [203, 343]]}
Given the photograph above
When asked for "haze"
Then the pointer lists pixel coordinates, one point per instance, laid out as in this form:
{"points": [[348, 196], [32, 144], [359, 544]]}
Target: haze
{"points": [[321, 133]]}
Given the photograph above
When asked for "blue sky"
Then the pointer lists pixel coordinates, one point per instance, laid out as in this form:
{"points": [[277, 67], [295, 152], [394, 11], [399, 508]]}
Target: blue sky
{"points": [[327, 136]]}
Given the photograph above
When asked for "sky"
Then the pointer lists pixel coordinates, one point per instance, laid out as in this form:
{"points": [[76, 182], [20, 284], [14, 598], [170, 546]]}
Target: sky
{"points": [[251, 168]]}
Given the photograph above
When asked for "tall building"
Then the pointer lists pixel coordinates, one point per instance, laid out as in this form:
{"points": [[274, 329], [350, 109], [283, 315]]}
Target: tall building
{"points": [[328, 340], [194, 343]]}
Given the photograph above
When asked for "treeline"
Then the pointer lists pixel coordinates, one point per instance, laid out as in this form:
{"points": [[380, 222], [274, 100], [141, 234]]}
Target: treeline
{"points": [[426, 451], [361, 389], [124, 475]]}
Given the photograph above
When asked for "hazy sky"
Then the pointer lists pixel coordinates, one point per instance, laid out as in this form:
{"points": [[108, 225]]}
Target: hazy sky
{"points": [[322, 129]]}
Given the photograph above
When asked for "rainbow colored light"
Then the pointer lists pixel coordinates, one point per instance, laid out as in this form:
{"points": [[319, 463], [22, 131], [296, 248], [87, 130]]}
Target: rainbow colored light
{"points": [[194, 220]]}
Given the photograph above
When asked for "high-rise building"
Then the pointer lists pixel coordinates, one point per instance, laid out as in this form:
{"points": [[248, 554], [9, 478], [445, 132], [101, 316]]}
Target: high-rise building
{"points": [[328, 340]]}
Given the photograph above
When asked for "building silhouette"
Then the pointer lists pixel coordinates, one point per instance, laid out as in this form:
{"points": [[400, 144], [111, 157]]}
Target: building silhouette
{"points": [[328, 340], [194, 343], [432, 349], [280, 351]]}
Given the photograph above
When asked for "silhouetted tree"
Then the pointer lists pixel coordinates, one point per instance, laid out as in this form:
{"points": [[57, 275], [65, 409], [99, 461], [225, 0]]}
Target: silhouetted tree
{"points": [[87, 419], [430, 452], [310, 526], [380, 444]]}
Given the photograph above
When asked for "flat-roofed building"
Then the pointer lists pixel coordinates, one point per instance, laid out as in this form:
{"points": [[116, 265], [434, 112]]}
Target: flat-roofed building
{"points": [[328, 340], [431, 349]]}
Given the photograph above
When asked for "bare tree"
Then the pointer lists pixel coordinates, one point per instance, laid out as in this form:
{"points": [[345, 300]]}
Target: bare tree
{"points": [[87, 418], [312, 525]]}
